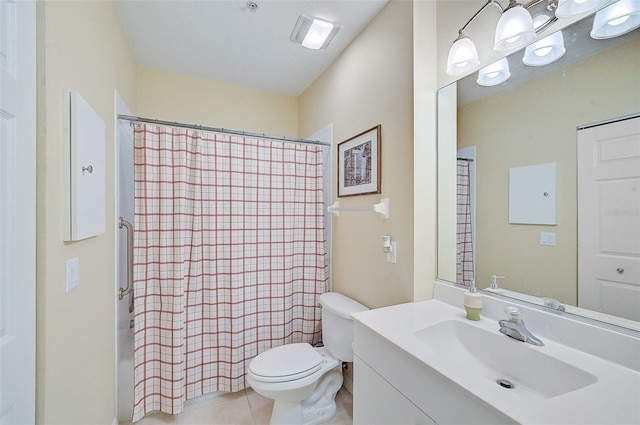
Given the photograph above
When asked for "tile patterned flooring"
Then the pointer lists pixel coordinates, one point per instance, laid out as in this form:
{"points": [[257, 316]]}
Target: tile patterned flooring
{"points": [[242, 408]]}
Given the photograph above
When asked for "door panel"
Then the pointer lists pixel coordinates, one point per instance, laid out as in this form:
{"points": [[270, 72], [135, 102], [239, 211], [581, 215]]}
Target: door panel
{"points": [[17, 211], [609, 218]]}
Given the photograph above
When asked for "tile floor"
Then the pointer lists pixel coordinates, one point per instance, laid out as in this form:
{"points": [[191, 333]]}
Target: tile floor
{"points": [[242, 408]]}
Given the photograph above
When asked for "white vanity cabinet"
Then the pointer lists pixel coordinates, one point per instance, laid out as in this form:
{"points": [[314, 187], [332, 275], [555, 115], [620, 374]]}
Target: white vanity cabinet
{"points": [[393, 387], [379, 403]]}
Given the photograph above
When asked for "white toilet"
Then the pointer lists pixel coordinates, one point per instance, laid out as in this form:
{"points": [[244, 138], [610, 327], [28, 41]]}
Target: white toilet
{"points": [[303, 380]]}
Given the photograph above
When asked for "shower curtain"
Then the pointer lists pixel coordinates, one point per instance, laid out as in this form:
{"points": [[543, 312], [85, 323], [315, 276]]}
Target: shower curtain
{"points": [[464, 242], [229, 259]]}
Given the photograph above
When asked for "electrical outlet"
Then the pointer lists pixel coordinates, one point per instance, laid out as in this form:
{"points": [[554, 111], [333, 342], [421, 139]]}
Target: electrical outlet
{"points": [[391, 256], [73, 273]]}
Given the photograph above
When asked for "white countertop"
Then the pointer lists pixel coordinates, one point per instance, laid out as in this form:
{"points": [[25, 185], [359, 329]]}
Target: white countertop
{"points": [[613, 399]]}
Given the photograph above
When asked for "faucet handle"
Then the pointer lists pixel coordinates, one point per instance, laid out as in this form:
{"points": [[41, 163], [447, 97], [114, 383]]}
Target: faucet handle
{"points": [[513, 312]]}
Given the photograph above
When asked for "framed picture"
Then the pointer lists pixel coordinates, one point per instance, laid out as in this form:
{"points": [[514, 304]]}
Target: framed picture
{"points": [[360, 163]]}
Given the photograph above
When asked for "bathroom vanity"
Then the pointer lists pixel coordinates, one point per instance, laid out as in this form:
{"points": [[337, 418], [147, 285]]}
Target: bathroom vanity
{"points": [[425, 363]]}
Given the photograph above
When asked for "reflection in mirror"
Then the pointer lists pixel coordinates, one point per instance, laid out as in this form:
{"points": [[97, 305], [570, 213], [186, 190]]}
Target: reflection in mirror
{"points": [[532, 120]]}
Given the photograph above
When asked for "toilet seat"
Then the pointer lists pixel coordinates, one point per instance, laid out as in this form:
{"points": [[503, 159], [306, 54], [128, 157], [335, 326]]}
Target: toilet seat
{"points": [[286, 363]]}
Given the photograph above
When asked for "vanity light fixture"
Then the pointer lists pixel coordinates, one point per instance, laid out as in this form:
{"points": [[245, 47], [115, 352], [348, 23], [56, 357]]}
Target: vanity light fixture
{"points": [[619, 18], [313, 33], [575, 8], [514, 30], [494, 74], [545, 51]]}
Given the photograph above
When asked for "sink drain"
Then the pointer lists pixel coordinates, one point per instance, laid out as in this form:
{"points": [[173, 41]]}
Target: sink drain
{"points": [[505, 384]]}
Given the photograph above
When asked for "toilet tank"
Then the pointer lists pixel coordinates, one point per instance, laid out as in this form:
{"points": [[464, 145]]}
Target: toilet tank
{"points": [[337, 325]]}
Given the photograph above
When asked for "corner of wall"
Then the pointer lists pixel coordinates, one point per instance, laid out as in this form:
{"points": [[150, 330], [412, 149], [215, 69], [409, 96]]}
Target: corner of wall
{"points": [[424, 148]]}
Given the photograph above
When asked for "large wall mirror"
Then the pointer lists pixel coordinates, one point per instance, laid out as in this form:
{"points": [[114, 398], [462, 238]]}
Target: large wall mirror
{"points": [[519, 136]]}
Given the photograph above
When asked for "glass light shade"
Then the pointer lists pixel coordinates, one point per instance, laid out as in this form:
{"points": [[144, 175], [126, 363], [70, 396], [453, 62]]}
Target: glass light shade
{"points": [[494, 74], [545, 51], [463, 57], [514, 30], [573, 8], [619, 18]]}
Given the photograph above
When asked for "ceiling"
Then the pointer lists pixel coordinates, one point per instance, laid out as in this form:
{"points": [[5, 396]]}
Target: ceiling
{"points": [[225, 41]]}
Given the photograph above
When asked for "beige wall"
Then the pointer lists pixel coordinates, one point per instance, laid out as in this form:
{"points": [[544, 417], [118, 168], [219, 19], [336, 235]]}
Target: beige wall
{"points": [[82, 47], [424, 148], [174, 97], [542, 117], [370, 84]]}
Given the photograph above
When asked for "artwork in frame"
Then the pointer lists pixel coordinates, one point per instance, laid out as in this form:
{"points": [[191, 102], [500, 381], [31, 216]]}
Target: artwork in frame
{"points": [[360, 163]]}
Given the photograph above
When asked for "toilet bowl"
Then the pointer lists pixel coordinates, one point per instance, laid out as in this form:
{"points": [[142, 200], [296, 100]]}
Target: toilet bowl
{"points": [[303, 380]]}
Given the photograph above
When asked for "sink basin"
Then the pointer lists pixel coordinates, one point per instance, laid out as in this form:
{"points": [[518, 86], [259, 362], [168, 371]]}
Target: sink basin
{"points": [[470, 351]]}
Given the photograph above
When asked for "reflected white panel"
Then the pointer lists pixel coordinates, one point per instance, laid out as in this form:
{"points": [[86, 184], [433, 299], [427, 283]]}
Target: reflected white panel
{"points": [[8, 27], [7, 199], [620, 218]]}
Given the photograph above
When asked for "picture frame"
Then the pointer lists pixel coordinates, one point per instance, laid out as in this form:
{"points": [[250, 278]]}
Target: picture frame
{"points": [[360, 163]]}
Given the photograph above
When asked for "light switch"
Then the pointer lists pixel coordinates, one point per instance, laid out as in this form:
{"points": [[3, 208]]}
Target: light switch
{"points": [[547, 238], [73, 273]]}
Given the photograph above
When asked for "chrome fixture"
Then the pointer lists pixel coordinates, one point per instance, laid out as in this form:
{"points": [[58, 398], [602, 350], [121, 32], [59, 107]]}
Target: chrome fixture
{"points": [[514, 327], [553, 304], [313, 33], [515, 29], [129, 228], [519, 24]]}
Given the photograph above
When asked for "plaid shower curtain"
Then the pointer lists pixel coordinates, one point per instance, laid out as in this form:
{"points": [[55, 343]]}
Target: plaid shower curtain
{"points": [[229, 259], [464, 242]]}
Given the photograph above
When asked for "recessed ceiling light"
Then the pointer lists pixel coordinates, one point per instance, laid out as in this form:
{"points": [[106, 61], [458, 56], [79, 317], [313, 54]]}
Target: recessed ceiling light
{"points": [[313, 33]]}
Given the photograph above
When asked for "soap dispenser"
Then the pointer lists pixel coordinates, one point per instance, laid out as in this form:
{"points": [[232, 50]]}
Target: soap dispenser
{"points": [[495, 288], [473, 302]]}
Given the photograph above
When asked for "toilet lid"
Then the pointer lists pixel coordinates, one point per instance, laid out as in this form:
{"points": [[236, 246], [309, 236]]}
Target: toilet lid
{"points": [[286, 363]]}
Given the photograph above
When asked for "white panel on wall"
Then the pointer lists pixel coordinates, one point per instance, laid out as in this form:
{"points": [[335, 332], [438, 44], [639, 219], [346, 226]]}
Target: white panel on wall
{"points": [[86, 189], [532, 194]]}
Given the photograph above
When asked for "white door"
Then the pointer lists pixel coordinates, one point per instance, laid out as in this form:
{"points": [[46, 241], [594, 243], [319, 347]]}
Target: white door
{"points": [[609, 218], [17, 210]]}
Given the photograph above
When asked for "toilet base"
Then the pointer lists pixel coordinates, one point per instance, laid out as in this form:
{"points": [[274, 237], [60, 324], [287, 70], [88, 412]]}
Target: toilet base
{"points": [[319, 415], [318, 408], [290, 413]]}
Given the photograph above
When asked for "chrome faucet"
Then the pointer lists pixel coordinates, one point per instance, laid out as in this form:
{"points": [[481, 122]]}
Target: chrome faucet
{"points": [[514, 327]]}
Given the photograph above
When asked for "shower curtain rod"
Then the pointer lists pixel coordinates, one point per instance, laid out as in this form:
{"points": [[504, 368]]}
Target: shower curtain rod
{"points": [[222, 130]]}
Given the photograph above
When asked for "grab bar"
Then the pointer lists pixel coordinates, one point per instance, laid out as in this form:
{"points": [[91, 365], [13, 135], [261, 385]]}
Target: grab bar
{"points": [[124, 291]]}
